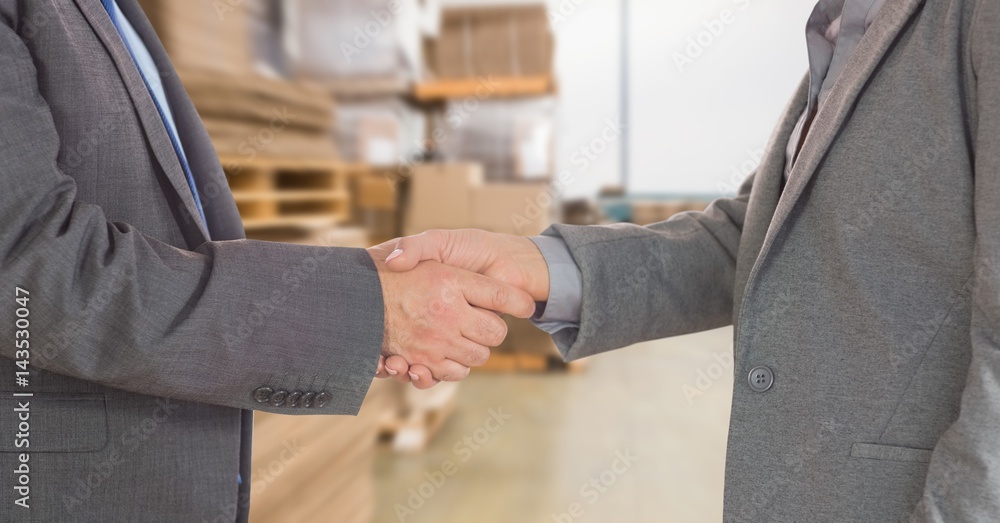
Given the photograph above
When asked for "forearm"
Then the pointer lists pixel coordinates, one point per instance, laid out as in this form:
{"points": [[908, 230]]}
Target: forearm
{"points": [[643, 283]]}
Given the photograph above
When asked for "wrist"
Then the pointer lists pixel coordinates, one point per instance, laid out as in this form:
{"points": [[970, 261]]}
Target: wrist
{"points": [[536, 271]]}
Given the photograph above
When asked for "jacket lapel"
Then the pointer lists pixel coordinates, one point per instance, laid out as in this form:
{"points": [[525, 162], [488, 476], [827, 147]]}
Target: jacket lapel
{"points": [[216, 198], [837, 107], [152, 124], [766, 191]]}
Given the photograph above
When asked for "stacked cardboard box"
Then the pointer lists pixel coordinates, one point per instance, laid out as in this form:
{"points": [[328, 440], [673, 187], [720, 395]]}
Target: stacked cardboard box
{"points": [[513, 139], [502, 41], [377, 194], [318, 468], [215, 48], [213, 36], [373, 42], [455, 196], [379, 131], [256, 116]]}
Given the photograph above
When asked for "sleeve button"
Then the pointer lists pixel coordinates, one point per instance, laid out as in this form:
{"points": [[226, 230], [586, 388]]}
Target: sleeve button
{"points": [[262, 394], [278, 398], [307, 399], [322, 399]]}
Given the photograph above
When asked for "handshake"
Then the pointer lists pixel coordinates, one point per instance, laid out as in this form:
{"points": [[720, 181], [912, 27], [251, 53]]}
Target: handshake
{"points": [[444, 292]]}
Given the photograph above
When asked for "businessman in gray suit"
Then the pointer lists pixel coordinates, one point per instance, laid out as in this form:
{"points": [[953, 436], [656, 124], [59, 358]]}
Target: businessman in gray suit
{"points": [[860, 266], [140, 330]]}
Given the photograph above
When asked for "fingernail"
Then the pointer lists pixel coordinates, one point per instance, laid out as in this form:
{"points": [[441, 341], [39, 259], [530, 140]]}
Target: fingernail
{"points": [[414, 377], [390, 371], [395, 254]]}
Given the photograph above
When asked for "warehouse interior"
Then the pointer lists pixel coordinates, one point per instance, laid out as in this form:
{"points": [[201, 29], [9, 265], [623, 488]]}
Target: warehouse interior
{"points": [[351, 122]]}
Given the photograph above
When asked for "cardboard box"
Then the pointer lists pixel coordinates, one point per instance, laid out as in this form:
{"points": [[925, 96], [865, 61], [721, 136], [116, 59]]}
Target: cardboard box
{"points": [[502, 41], [375, 192], [440, 196], [524, 209], [197, 36]]}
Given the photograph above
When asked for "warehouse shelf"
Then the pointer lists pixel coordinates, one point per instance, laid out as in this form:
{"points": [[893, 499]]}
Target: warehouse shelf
{"points": [[290, 196], [485, 87]]}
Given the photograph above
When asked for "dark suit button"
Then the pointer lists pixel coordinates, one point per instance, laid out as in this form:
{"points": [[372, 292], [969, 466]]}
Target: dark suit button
{"points": [[263, 394], [307, 399], [322, 399], [293, 399], [761, 378], [278, 398]]}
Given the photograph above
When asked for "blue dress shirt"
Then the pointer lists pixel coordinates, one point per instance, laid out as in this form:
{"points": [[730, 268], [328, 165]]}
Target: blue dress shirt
{"points": [[151, 76]]}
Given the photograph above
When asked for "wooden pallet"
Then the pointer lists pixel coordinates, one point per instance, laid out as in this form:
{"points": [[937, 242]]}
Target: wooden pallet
{"points": [[412, 432], [272, 192], [486, 87], [529, 362]]}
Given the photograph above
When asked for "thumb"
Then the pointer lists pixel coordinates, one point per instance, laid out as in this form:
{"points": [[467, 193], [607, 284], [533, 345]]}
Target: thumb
{"points": [[414, 249]]}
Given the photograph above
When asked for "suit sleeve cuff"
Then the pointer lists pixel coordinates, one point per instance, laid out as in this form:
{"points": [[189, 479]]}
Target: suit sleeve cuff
{"points": [[565, 287]]}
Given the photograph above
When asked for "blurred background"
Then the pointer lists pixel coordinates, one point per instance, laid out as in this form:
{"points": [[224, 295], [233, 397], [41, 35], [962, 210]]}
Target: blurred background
{"points": [[348, 123]]}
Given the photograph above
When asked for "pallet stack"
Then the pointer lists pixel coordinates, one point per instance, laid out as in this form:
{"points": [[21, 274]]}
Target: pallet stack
{"points": [[318, 468]]}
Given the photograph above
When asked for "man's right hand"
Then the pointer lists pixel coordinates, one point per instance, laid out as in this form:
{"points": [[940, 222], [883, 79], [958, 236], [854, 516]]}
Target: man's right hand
{"points": [[441, 318], [514, 260]]}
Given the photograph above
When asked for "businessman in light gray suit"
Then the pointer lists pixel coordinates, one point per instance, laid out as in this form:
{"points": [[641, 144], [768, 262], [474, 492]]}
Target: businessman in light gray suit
{"points": [[860, 266], [139, 329]]}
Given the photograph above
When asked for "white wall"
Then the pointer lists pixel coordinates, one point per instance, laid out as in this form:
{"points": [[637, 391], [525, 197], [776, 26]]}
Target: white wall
{"points": [[690, 126], [698, 117]]}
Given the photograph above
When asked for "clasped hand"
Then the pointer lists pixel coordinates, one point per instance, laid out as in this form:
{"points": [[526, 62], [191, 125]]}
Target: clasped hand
{"points": [[444, 292]]}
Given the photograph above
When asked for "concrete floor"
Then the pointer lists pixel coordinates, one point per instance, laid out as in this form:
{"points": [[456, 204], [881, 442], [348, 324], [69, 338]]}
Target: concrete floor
{"points": [[638, 437]]}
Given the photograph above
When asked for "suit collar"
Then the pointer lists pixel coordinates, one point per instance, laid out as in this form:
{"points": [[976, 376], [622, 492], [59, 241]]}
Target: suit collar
{"points": [[149, 117], [837, 107]]}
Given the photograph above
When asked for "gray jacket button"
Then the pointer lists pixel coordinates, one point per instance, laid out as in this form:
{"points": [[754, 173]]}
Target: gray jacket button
{"points": [[322, 399], [761, 378], [262, 394], [278, 398], [307, 399], [293, 399]]}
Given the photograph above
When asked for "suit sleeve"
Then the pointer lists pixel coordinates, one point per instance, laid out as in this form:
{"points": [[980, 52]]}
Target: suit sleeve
{"points": [[644, 283], [112, 306], [963, 478]]}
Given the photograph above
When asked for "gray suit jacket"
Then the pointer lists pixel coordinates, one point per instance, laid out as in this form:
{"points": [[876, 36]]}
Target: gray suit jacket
{"points": [[869, 285], [147, 342]]}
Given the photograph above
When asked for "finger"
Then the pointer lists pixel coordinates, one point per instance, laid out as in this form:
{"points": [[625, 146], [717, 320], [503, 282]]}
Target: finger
{"points": [[380, 370], [484, 329], [401, 377], [412, 250], [397, 364], [490, 294], [449, 370], [424, 379]]}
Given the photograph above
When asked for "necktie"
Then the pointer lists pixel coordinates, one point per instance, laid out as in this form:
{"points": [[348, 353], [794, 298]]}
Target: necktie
{"points": [[109, 6]]}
